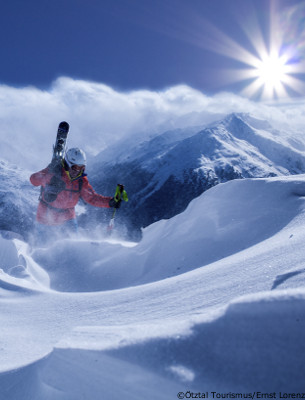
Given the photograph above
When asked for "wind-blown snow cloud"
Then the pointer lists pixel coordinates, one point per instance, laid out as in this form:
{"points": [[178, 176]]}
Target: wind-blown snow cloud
{"points": [[100, 115]]}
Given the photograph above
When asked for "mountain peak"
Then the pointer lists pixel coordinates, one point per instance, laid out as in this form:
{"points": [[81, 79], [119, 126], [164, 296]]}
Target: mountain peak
{"points": [[247, 119]]}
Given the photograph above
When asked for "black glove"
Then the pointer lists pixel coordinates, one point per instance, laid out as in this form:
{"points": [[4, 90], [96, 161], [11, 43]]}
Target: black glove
{"points": [[121, 187], [114, 203]]}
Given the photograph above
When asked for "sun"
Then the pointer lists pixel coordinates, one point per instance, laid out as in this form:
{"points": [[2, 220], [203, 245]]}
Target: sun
{"points": [[272, 66], [266, 44], [271, 71], [272, 74]]}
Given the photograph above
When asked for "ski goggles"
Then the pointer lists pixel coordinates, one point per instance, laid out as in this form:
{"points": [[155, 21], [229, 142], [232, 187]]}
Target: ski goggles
{"points": [[77, 172], [77, 168]]}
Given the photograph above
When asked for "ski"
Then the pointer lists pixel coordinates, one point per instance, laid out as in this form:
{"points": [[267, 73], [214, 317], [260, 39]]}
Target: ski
{"points": [[60, 143], [59, 147]]}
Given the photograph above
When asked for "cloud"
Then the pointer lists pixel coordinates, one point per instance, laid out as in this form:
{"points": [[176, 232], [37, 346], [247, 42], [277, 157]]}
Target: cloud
{"points": [[100, 115]]}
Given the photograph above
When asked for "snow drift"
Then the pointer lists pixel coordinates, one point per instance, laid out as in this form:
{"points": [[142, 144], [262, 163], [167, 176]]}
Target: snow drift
{"points": [[223, 221]]}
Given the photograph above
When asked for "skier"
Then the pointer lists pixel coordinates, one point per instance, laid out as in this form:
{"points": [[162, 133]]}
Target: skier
{"points": [[63, 183]]}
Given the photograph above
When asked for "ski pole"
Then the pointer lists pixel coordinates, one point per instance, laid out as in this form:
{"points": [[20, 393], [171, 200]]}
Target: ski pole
{"points": [[120, 194], [111, 223]]}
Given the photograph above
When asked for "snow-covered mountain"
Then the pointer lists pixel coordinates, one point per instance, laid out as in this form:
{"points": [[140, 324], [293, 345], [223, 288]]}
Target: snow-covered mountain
{"points": [[164, 174]]}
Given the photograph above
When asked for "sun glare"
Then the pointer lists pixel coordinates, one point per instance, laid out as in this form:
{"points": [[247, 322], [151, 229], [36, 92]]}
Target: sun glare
{"points": [[272, 71], [268, 53], [271, 67], [272, 76]]}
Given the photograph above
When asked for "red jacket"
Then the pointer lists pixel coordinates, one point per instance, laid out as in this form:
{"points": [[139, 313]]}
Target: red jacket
{"points": [[62, 208]]}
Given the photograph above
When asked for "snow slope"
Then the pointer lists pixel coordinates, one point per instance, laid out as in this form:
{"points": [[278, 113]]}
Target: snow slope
{"points": [[211, 300]]}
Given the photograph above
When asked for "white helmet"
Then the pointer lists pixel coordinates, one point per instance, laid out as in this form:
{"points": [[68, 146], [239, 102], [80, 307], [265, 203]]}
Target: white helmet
{"points": [[75, 156]]}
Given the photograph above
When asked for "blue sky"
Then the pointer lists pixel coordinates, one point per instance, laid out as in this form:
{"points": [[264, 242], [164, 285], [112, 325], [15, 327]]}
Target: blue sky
{"points": [[134, 44], [121, 70]]}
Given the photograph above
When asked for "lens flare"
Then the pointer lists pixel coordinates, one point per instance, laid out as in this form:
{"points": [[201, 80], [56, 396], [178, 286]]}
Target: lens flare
{"points": [[272, 70], [271, 74]]}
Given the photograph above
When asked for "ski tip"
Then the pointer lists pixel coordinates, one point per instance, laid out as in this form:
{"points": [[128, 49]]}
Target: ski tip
{"points": [[64, 126]]}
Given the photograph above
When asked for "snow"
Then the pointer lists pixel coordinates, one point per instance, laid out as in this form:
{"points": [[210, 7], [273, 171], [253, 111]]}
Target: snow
{"points": [[211, 301]]}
